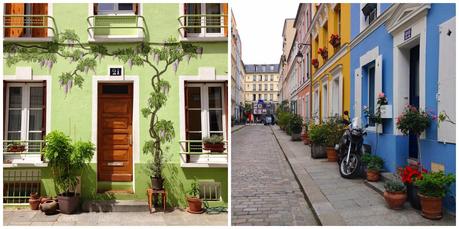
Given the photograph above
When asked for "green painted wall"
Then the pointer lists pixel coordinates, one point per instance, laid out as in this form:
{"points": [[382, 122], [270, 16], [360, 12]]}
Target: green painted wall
{"points": [[72, 113]]}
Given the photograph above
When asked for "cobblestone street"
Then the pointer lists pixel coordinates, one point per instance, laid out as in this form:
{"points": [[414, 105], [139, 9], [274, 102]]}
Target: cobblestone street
{"points": [[264, 189]]}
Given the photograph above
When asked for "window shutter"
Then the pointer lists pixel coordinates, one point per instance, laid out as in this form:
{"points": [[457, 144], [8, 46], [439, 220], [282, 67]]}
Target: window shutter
{"points": [[95, 8], [378, 83], [357, 92], [135, 7], [14, 9], [225, 18], [40, 9], [447, 80]]}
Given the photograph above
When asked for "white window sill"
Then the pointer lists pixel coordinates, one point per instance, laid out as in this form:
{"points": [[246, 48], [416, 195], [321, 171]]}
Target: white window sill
{"points": [[28, 39], [205, 39], [25, 165], [204, 165]]}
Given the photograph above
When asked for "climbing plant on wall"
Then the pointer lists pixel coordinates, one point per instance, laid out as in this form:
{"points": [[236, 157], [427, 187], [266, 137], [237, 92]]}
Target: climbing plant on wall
{"points": [[84, 57]]}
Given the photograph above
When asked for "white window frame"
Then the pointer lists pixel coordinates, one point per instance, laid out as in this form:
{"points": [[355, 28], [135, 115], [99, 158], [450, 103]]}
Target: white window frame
{"points": [[371, 65], [315, 105], [364, 23], [324, 100], [204, 32], [25, 108], [307, 113]]}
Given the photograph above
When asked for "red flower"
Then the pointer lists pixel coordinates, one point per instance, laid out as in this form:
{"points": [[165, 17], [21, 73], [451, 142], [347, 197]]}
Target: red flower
{"points": [[409, 175]]}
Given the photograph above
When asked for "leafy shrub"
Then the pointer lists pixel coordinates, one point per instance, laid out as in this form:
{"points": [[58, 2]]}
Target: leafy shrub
{"points": [[435, 184], [394, 186], [214, 139], [373, 162], [295, 124], [283, 119], [318, 134], [335, 129], [413, 121]]}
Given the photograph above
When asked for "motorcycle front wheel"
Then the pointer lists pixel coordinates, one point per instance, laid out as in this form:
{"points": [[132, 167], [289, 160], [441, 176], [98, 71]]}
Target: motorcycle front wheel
{"points": [[350, 169]]}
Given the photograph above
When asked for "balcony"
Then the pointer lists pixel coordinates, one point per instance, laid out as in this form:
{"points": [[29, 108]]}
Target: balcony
{"points": [[29, 28], [116, 28], [193, 155], [22, 153], [203, 27]]}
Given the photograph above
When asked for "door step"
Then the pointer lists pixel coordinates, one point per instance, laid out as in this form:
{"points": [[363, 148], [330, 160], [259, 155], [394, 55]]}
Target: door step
{"points": [[379, 186], [115, 206]]}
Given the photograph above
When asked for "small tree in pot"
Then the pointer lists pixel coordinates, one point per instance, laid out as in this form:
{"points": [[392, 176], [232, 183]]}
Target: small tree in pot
{"points": [[194, 201], [374, 165], [432, 188], [296, 126], [395, 194], [67, 161]]}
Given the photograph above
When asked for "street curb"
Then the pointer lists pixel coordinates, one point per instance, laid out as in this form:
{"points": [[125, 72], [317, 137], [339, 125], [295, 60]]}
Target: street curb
{"points": [[322, 209], [232, 131]]}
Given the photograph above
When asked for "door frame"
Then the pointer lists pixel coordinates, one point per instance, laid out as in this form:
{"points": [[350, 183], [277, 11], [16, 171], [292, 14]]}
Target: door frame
{"points": [[134, 79]]}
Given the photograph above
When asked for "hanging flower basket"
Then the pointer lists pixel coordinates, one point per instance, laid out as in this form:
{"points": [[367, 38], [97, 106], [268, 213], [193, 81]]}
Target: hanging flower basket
{"points": [[335, 40], [315, 63], [323, 52]]}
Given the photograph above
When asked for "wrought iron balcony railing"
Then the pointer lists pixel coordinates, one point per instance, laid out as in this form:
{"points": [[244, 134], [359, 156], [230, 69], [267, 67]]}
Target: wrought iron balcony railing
{"points": [[113, 27], [192, 151], [29, 27], [17, 151], [203, 26]]}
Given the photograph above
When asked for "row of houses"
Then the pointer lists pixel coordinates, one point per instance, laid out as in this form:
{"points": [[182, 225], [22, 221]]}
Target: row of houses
{"points": [[107, 109], [340, 57]]}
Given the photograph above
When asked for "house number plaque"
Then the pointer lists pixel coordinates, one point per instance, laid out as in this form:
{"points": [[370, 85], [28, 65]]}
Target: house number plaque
{"points": [[115, 71]]}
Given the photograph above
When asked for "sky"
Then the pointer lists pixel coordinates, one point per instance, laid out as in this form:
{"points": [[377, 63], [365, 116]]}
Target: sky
{"points": [[260, 28]]}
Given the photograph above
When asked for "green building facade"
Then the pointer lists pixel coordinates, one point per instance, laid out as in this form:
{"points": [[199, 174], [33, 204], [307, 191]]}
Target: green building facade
{"points": [[112, 96]]}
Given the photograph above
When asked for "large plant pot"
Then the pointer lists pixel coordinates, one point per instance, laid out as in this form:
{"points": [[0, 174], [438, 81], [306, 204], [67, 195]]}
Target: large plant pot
{"points": [[68, 202], [219, 147], [156, 183], [49, 207], [296, 136], [412, 195], [194, 205], [395, 200], [431, 207], [34, 203], [332, 156], [372, 176], [318, 151]]}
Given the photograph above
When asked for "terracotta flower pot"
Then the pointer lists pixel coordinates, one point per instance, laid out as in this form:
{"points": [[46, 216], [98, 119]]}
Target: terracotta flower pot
{"points": [[372, 176], [34, 203], [431, 207], [194, 205], [68, 202], [218, 147], [395, 200], [332, 156], [34, 195]]}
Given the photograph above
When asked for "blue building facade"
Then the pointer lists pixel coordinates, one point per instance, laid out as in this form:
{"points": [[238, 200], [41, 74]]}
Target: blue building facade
{"points": [[406, 51]]}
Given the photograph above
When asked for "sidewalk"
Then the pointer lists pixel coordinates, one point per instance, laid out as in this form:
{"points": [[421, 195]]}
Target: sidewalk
{"points": [[339, 201], [178, 217]]}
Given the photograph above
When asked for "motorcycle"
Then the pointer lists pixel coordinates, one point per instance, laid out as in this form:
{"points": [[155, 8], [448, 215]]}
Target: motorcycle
{"points": [[350, 149]]}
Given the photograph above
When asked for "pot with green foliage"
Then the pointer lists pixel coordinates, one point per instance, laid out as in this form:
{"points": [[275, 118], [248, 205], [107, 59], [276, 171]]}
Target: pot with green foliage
{"points": [[194, 201], [67, 161], [295, 126], [214, 143], [335, 130], [318, 135], [283, 120], [395, 194], [432, 188], [374, 165]]}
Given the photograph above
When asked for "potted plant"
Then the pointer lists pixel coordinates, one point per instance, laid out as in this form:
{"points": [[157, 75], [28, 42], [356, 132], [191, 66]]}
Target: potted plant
{"points": [[335, 130], [66, 160], [305, 135], [409, 175], [214, 143], [335, 40], [318, 135], [154, 169], [395, 194], [296, 126], [34, 201], [374, 165], [194, 201], [432, 188], [315, 62], [323, 52], [15, 146], [413, 122]]}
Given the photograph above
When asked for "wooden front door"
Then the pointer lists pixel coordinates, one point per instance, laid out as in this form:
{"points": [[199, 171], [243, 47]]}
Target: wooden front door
{"points": [[114, 143]]}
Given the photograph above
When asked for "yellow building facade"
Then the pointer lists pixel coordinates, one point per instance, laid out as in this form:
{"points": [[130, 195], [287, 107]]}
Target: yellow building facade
{"points": [[330, 30]]}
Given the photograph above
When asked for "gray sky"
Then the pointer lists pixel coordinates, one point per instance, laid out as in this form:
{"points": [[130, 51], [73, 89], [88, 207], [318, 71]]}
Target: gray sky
{"points": [[260, 28]]}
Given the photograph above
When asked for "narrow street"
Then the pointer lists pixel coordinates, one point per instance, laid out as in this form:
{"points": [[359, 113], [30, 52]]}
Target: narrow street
{"points": [[264, 189]]}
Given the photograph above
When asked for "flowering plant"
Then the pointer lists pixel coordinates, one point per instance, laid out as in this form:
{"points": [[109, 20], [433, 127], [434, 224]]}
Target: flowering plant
{"points": [[409, 175], [414, 121], [323, 52], [335, 40], [315, 63], [376, 117]]}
